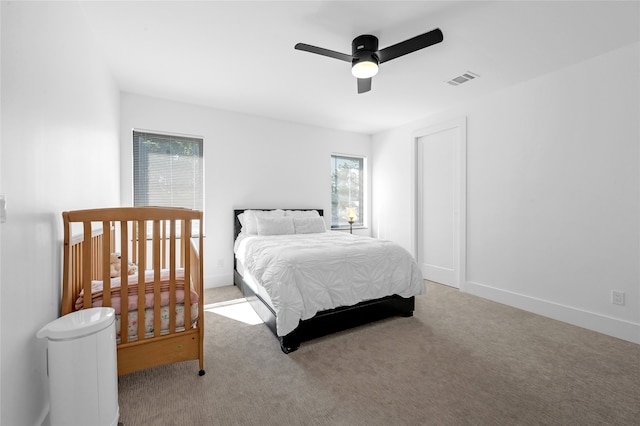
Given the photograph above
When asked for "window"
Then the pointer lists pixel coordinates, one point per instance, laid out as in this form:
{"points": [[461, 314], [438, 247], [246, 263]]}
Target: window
{"points": [[347, 189], [167, 171]]}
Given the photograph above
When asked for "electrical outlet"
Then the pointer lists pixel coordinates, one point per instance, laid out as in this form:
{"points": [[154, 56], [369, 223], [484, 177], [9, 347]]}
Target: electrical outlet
{"points": [[617, 297]]}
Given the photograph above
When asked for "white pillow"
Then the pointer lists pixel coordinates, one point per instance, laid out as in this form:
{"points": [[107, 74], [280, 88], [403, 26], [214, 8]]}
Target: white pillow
{"points": [[250, 217], [275, 225], [309, 225], [302, 213]]}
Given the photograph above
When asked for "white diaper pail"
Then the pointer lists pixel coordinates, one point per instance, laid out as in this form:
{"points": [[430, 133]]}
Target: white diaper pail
{"points": [[82, 368]]}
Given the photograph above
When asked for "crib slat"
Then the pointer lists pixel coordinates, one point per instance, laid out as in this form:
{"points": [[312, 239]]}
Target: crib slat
{"points": [[67, 275], [124, 282], [77, 269], [105, 263], [183, 237], [86, 264], [186, 264], [197, 271], [172, 277], [141, 239], [155, 241]]}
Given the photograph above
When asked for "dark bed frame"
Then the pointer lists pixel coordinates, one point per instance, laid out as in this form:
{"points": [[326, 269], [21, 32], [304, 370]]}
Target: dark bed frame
{"points": [[324, 322]]}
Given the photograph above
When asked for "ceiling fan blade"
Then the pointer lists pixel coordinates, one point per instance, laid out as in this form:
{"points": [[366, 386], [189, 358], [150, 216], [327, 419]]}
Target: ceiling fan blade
{"points": [[411, 45], [324, 52], [364, 85]]}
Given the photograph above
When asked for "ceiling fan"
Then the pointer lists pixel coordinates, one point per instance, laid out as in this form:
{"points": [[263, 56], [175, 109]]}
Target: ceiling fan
{"points": [[365, 56]]}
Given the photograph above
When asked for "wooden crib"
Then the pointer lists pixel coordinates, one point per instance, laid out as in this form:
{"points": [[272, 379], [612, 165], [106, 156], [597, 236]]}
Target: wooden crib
{"points": [[164, 326]]}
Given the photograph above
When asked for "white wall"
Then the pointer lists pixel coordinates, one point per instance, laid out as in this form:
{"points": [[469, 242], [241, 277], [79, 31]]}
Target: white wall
{"points": [[553, 187], [1, 187], [250, 162], [59, 151]]}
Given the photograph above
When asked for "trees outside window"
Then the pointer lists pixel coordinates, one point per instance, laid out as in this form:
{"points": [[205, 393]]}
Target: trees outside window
{"points": [[347, 190]]}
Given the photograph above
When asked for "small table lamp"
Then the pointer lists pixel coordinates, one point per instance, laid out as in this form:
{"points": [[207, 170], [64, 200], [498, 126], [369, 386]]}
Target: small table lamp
{"points": [[351, 217]]}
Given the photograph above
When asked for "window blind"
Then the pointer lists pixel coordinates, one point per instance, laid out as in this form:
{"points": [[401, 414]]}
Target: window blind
{"points": [[167, 171]]}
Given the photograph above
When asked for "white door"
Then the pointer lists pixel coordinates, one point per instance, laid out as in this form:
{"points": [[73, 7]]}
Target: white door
{"points": [[439, 203]]}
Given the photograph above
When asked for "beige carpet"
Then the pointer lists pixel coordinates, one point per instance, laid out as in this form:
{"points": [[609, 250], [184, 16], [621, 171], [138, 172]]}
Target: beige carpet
{"points": [[460, 360]]}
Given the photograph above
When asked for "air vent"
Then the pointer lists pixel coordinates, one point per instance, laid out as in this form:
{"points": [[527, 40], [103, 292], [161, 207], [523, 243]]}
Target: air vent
{"points": [[463, 78]]}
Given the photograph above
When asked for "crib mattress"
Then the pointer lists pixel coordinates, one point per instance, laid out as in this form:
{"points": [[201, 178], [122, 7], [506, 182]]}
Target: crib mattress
{"points": [[149, 331], [131, 303]]}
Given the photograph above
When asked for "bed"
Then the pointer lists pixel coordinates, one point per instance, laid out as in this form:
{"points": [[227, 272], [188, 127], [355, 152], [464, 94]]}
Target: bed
{"points": [[164, 326], [305, 281]]}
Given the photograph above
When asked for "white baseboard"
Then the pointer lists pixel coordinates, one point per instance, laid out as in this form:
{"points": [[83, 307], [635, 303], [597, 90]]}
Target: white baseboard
{"points": [[621, 329], [438, 274], [218, 280]]}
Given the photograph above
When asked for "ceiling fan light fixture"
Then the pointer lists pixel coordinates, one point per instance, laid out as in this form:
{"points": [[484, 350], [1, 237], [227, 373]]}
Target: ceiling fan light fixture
{"points": [[364, 69], [365, 55]]}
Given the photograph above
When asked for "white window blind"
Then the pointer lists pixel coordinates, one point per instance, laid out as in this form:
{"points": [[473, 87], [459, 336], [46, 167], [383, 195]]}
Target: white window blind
{"points": [[167, 171]]}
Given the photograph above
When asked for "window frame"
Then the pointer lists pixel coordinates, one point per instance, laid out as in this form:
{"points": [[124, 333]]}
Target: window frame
{"points": [[136, 153], [361, 222]]}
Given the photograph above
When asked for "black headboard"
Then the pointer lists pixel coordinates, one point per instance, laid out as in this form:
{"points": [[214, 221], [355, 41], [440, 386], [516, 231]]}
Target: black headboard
{"points": [[236, 222]]}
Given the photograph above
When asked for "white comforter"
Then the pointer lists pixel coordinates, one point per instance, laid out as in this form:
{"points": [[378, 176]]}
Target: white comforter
{"points": [[307, 273]]}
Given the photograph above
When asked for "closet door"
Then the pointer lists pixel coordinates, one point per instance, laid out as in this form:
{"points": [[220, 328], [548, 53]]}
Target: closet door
{"points": [[439, 203]]}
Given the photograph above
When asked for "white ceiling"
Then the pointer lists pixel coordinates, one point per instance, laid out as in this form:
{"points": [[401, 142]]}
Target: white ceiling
{"points": [[240, 56]]}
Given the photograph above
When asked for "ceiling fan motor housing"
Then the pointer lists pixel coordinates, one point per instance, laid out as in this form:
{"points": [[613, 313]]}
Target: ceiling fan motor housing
{"points": [[364, 48]]}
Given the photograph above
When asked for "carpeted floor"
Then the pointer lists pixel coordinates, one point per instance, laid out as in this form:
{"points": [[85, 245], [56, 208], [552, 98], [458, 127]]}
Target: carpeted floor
{"points": [[461, 360]]}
